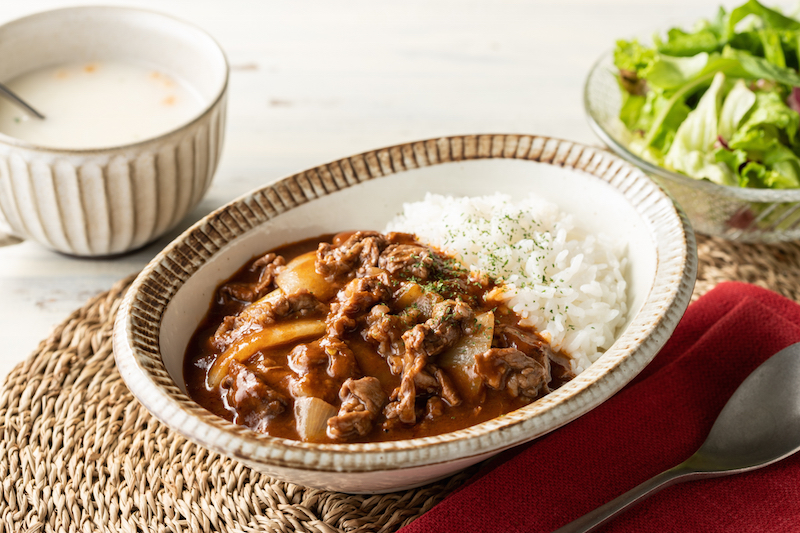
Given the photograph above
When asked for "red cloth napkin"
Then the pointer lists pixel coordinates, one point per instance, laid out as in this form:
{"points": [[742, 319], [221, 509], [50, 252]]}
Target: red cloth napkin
{"points": [[653, 424]]}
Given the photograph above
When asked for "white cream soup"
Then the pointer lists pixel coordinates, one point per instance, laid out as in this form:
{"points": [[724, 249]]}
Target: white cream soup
{"points": [[97, 104]]}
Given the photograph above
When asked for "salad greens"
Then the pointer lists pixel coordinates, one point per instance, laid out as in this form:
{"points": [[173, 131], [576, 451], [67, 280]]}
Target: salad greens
{"points": [[719, 102]]}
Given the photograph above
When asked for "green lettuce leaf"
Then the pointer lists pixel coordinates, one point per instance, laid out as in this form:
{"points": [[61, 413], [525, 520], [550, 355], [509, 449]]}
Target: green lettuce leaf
{"points": [[785, 173], [733, 159], [773, 47], [766, 136], [748, 41], [707, 37], [632, 56], [631, 110], [666, 72], [704, 166], [682, 44], [668, 114], [762, 38], [678, 98], [758, 175], [770, 18], [692, 149], [737, 103], [770, 120], [758, 67], [753, 174], [648, 153]]}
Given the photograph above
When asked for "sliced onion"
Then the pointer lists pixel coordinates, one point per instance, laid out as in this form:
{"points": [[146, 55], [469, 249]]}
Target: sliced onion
{"points": [[459, 360], [300, 274], [409, 294], [268, 299], [269, 337], [412, 294], [311, 415]]}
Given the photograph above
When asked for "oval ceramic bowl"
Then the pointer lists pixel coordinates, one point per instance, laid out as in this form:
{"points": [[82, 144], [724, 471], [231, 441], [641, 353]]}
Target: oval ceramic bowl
{"points": [[170, 297], [111, 199], [733, 213]]}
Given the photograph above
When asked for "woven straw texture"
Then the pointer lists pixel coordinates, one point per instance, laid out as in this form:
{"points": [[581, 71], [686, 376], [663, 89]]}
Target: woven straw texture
{"points": [[78, 453]]}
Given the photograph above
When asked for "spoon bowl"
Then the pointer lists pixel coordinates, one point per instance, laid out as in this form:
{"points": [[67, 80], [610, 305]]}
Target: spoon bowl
{"points": [[759, 425]]}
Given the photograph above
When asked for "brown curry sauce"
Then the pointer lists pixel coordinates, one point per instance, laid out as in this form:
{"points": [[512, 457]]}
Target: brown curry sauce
{"points": [[443, 417]]}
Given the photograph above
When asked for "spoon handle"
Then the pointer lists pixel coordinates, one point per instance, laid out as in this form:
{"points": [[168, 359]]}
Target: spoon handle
{"points": [[8, 93], [606, 512]]}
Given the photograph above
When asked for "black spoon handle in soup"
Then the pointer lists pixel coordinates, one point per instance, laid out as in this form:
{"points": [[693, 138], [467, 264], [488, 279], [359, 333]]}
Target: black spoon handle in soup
{"points": [[8, 93]]}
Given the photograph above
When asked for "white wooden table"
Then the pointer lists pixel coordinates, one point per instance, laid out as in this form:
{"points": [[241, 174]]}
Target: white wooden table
{"points": [[313, 81]]}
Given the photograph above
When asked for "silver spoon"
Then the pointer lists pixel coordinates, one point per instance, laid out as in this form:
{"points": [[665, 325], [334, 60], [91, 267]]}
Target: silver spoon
{"points": [[8, 93], [758, 426]]}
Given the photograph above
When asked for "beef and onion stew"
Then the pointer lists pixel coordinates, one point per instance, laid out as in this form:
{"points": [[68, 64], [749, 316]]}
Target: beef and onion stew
{"points": [[360, 337]]}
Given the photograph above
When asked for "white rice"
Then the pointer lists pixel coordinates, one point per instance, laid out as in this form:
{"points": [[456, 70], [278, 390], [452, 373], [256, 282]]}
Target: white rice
{"points": [[566, 283]]}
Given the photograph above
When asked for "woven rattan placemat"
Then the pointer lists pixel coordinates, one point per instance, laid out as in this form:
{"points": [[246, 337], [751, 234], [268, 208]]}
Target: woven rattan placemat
{"points": [[78, 453]]}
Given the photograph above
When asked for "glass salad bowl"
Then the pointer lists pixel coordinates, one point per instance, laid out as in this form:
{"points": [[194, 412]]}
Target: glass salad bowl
{"points": [[734, 213]]}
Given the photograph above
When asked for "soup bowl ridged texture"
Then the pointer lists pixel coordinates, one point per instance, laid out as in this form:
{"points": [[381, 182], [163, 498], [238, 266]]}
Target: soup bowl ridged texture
{"points": [[170, 297]]}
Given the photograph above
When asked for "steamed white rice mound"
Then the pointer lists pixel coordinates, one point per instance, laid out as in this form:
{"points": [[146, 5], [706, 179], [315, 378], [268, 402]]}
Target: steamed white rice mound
{"points": [[563, 281]]}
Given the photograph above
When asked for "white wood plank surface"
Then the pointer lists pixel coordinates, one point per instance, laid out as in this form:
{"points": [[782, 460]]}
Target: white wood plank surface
{"points": [[313, 81]]}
